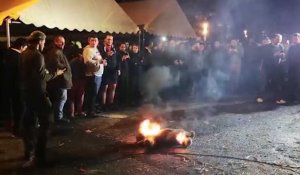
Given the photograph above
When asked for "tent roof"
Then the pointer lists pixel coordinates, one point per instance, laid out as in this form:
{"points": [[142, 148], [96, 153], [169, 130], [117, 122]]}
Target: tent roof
{"points": [[143, 12], [13, 7], [89, 15], [161, 17]]}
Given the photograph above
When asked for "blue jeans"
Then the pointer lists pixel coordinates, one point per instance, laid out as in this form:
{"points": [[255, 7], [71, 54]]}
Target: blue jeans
{"points": [[59, 103], [93, 84]]}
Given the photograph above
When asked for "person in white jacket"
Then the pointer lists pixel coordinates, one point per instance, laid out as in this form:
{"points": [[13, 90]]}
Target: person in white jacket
{"points": [[94, 71]]}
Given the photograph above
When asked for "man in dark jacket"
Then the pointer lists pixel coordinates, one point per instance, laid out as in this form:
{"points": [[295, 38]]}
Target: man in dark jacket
{"points": [[38, 106], [110, 74], [135, 70], [12, 79], [57, 88], [293, 68], [123, 83], [274, 65]]}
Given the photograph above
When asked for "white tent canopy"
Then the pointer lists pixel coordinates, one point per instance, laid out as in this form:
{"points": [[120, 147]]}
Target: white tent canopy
{"points": [[161, 17], [89, 15]]}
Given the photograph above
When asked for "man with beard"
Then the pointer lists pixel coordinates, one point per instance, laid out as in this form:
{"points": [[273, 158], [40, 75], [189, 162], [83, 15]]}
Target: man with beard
{"points": [[293, 68], [135, 69], [123, 85], [38, 105], [57, 88]]}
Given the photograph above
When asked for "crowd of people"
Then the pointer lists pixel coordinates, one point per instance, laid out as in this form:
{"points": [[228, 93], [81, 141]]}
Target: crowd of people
{"points": [[70, 81]]}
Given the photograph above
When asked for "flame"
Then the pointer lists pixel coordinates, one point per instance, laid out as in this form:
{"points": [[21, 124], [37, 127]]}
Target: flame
{"points": [[149, 129], [181, 137]]}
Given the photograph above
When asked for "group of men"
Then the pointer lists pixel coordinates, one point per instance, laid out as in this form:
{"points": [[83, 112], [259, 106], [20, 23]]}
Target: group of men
{"points": [[38, 108], [280, 74], [44, 78]]}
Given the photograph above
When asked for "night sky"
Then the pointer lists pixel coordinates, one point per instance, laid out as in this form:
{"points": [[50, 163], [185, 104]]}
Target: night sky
{"points": [[256, 15], [272, 16]]}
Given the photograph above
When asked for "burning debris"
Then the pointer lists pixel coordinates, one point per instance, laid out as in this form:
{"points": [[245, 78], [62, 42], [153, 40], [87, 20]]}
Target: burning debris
{"points": [[150, 134]]}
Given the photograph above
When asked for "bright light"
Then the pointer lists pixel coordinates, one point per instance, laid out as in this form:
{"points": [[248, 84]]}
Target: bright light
{"points": [[181, 137], [246, 33], [148, 128], [163, 38], [205, 31]]}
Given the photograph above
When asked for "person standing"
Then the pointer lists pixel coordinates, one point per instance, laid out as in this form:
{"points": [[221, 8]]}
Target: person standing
{"points": [[274, 65], [12, 79], [111, 72], [135, 70], [293, 59], [38, 106], [123, 90], [58, 87], [76, 94], [94, 70], [262, 78]]}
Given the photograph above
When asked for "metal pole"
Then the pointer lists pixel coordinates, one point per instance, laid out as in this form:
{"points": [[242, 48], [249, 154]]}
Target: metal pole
{"points": [[8, 21], [141, 39]]}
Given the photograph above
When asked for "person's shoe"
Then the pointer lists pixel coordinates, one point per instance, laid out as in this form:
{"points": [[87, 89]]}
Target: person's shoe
{"points": [[63, 121], [112, 107], [82, 114], [16, 133], [40, 161], [98, 111], [259, 100], [30, 163], [281, 101], [92, 115]]}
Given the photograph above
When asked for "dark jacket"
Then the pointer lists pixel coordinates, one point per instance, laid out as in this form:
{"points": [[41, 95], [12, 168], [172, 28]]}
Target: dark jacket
{"points": [[78, 68], [12, 70], [113, 64], [294, 62], [135, 63], [34, 73], [124, 64], [270, 62], [55, 59]]}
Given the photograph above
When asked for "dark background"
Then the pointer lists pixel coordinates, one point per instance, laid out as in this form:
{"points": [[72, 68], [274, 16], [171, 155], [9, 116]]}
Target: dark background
{"points": [[271, 16], [227, 17]]}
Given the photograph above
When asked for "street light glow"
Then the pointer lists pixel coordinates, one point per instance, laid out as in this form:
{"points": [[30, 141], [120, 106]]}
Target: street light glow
{"points": [[205, 30], [246, 33], [163, 38]]}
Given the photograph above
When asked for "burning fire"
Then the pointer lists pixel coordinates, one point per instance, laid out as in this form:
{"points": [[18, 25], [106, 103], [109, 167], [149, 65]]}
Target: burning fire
{"points": [[181, 137], [150, 133], [149, 129]]}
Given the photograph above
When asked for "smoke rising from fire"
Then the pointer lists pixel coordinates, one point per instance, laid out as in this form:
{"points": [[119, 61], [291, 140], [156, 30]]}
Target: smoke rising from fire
{"points": [[155, 80]]}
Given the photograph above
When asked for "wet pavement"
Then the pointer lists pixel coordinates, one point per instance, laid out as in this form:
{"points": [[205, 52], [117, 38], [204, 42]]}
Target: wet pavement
{"points": [[231, 138]]}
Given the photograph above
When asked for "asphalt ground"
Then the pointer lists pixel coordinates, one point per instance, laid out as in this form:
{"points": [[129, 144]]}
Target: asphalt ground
{"points": [[231, 138]]}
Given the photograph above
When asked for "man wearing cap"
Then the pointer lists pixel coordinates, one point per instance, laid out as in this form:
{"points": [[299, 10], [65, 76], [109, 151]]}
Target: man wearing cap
{"points": [[38, 106]]}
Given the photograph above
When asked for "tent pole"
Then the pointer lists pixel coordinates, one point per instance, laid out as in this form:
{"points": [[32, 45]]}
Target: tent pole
{"points": [[7, 22], [141, 39]]}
